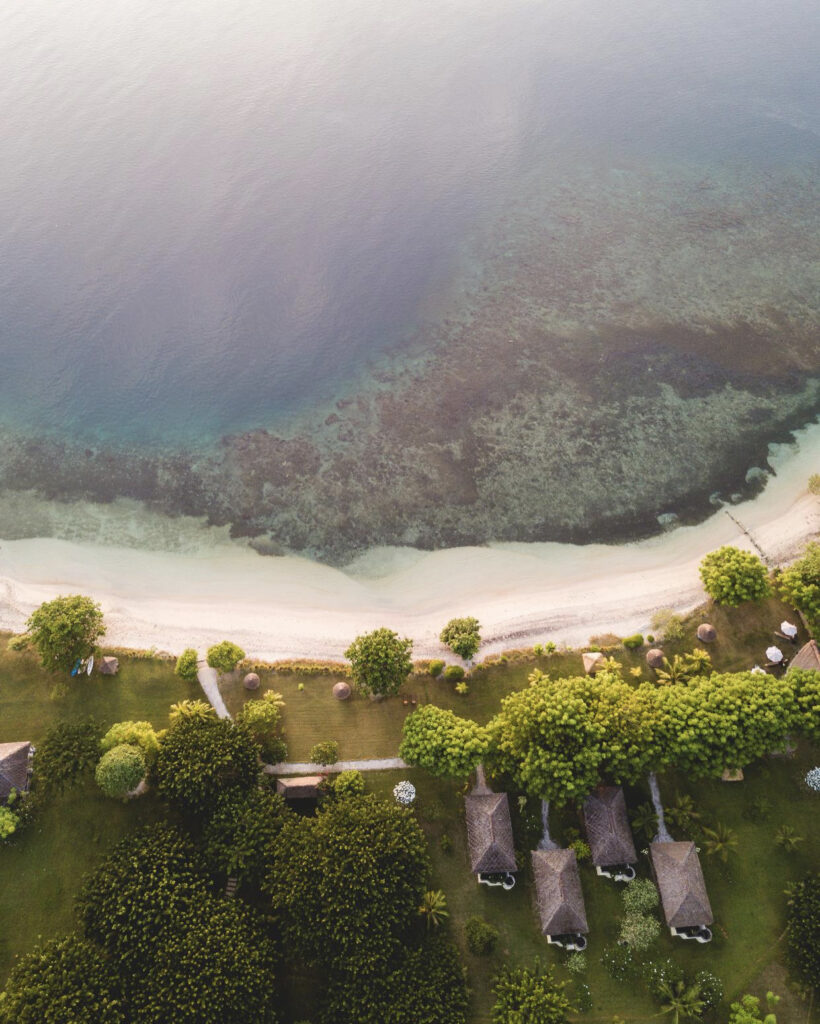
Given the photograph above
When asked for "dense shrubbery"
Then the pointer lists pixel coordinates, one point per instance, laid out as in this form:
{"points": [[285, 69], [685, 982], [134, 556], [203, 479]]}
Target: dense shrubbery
{"points": [[348, 783], [803, 936], [69, 750], [262, 718], [454, 673], [436, 668], [325, 753], [731, 576], [137, 734], [380, 662], [121, 769], [187, 664], [443, 743], [239, 836], [462, 636], [529, 996], [481, 936], [800, 584], [224, 656], [632, 643]]}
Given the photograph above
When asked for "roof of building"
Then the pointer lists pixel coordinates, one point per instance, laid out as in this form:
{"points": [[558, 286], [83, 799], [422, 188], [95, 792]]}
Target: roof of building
{"points": [[489, 830], [680, 881], [558, 892], [808, 657], [300, 787], [14, 762], [608, 832]]}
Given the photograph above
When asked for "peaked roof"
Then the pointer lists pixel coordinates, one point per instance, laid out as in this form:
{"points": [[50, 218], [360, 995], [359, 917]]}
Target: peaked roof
{"points": [[558, 892], [13, 768], [489, 830], [680, 881], [808, 657], [300, 787], [607, 825]]}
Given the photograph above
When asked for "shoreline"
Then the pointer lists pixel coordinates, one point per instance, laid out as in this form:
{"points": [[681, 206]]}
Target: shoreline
{"points": [[289, 608]]}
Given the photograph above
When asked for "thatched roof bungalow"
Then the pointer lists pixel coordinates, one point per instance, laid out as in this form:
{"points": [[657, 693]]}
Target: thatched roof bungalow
{"points": [[607, 826], [489, 830], [15, 761], [808, 657], [558, 894], [300, 787], [677, 871]]}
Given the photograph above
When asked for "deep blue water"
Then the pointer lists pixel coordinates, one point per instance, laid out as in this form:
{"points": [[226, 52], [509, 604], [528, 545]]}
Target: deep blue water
{"points": [[213, 214]]}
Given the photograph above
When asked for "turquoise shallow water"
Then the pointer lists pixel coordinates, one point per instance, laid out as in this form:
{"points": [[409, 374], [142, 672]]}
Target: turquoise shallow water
{"points": [[443, 249]]}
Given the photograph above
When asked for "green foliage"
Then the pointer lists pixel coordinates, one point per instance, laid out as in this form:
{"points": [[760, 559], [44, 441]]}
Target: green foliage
{"points": [[660, 975], [69, 750], [137, 734], [640, 897], [683, 813], [186, 665], [806, 685], [747, 1011], [224, 656], [577, 963], [380, 662], [639, 931], [681, 1001], [788, 839], [667, 625], [582, 850], [618, 962], [436, 668], [720, 841], [325, 753], [239, 837], [443, 743], [348, 783], [814, 483], [482, 937], [684, 667], [645, 821], [462, 636], [731, 576], [65, 629], [632, 643], [201, 709], [433, 908], [710, 988], [120, 770], [800, 584], [262, 718], [803, 936], [454, 673], [199, 759], [462, 689], [529, 996], [9, 822], [65, 981], [347, 883]]}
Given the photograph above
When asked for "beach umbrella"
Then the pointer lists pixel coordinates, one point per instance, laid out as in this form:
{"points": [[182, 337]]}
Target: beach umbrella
{"points": [[707, 633], [593, 660], [341, 691], [774, 654], [787, 629]]}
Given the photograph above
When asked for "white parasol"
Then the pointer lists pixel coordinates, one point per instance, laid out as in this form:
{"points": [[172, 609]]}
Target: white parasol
{"points": [[787, 629], [774, 654]]}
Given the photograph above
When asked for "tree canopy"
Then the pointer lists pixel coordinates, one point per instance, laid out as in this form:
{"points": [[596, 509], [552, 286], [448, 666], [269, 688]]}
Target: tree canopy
{"points": [[731, 576], [800, 584], [186, 666], [462, 636], [138, 734], [201, 758], [224, 656], [263, 719], [65, 629], [121, 769], [380, 661], [240, 834], [803, 936], [68, 750], [443, 743], [526, 995], [346, 883]]}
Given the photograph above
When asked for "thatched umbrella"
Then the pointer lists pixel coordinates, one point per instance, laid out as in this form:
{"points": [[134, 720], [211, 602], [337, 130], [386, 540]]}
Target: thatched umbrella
{"points": [[341, 691], [251, 681], [593, 660], [655, 657], [109, 666], [707, 634]]}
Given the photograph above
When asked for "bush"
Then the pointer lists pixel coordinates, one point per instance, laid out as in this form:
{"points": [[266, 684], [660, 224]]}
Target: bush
{"points": [[711, 989], [201, 709], [462, 689], [640, 897], [529, 996], [462, 636], [803, 936], [732, 576], [639, 931], [582, 850], [436, 668], [262, 718], [577, 963], [454, 673], [8, 823], [667, 625], [187, 664], [325, 753], [661, 975], [238, 838], [65, 629], [814, 483], [120, 770], [225, 656], [69, 750], [348, 783], [482, 937], [442, 742], [135, 734], [618, 962], [380, 662], [632, 643], [800, 584], [445, 844]]}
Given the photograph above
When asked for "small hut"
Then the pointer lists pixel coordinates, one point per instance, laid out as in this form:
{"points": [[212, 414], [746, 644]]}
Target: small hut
{"points": [[300, 787], [15, 768], [655, 657], [559, 898], [341, 691], [685, 902], [609, 835], [109, 666], [593, 661], [808, 657], [707, 634], [251, 681], [490, 835]]}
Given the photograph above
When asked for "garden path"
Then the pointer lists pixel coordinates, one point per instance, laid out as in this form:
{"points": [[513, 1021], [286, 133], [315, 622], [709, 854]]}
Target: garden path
{"points": [[207, 677], [371, 764]]}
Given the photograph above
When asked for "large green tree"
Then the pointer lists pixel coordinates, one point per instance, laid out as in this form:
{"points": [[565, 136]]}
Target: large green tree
{"points": [[65, 629], [443, 743], [731, 576], [121, 769], [224, 656], [526, 995], [239, 837], [803, 936], [199, 759], [69, 750], [263, 719], [346, 884], [462, 636], [65, 981], [806, 684], [380, 661], [800, 584]]}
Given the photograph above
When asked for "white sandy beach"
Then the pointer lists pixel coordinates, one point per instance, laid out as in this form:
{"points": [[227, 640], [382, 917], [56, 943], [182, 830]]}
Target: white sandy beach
{"points": [[278, 608]]}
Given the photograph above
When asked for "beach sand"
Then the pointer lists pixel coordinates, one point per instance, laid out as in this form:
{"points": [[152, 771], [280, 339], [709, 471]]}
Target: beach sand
{"points": [[284, 608]]}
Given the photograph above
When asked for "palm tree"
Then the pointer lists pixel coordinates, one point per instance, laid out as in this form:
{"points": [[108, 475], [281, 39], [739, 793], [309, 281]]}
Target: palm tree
{"points": [[681, 1000], [683, 813], [720, 841], [645, 820], [699, 662], [675, 671], [434, 908], [788, 839]]}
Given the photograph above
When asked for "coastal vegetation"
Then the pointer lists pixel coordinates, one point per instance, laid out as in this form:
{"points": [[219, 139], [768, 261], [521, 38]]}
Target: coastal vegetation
{"points": [[63, 631], [224, 656], [380, 662], [462, 636], [731, 576]]}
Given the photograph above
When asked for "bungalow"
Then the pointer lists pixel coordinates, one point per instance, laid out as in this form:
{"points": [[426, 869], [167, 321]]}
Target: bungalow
{"points": [[301, 787], [15, 768], [808, 657], [609, 835], [559, 898], [490, 835], [679, 877]]}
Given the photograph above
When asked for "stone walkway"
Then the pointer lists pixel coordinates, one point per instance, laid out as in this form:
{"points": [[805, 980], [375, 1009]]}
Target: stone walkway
{"points": [[207, 677], [373, 764]]}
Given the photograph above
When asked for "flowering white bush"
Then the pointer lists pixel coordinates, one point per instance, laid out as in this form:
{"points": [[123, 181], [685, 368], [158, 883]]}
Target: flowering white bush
{"points": [[404, 792], [813, 779]]}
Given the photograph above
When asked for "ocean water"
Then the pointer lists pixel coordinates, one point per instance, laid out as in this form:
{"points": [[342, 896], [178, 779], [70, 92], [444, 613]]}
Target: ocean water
{"points": [[342, 274]]}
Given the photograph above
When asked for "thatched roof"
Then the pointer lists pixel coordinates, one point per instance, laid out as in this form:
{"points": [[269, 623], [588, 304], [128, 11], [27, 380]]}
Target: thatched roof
{"points": [[808, 657], [607, 825], [109, 666], [251, 681], [300, 787], [592, 660], [341, 691], [655, 657], [558, 892], [489, 830], [707, 633], [680, 880], [14, 761]]}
